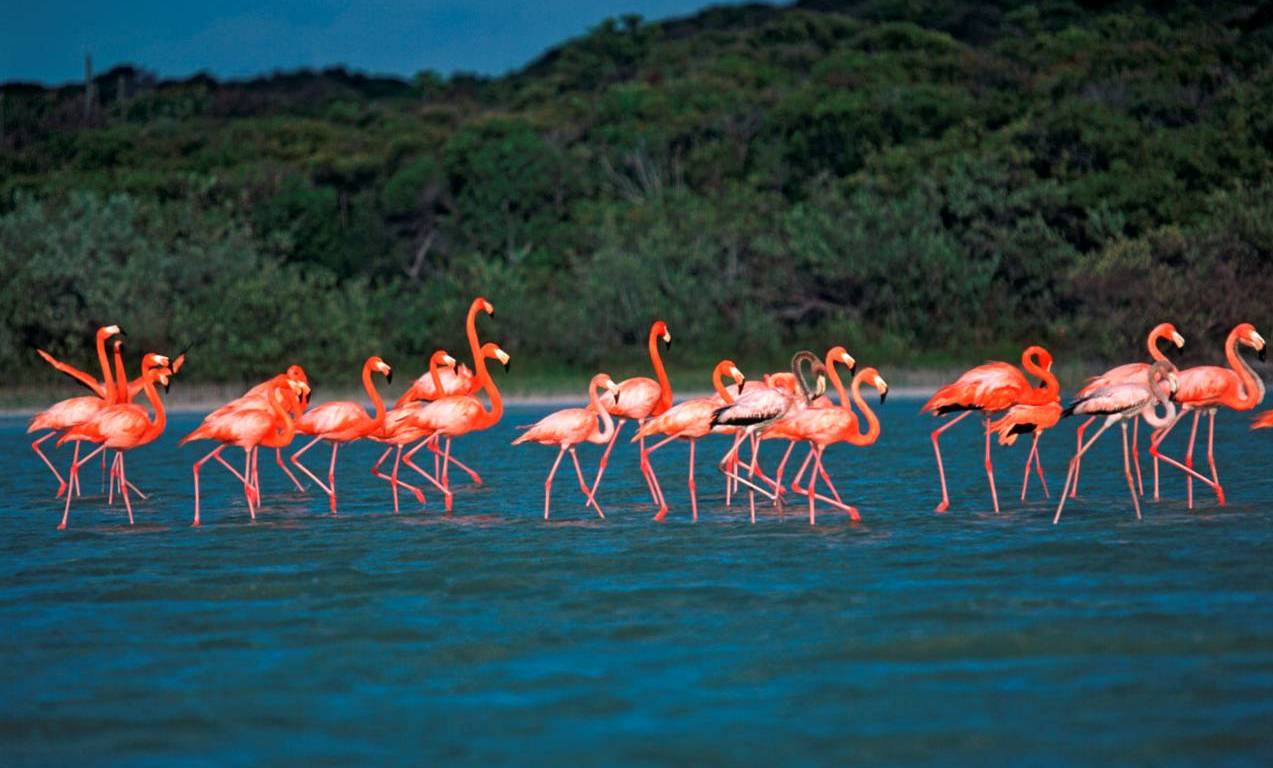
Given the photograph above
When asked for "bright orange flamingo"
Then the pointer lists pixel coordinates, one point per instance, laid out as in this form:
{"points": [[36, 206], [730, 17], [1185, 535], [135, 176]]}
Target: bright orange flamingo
{"points": [[122, 426], [571, 426], [1134, 373], [475, 348], [1205, 389], [991, 388], [1027, 419], [453, 380], [823, 426], [756, 409], [457, 415], [1120, 403], [400, 428], [340, 422], [247, 427], [643, 397], [1263, 421], [256, 398], [836, 355], [74, 411], [691, 420]]}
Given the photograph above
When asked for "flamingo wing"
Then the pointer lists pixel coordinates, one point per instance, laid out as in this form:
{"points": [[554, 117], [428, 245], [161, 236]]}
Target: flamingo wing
{"points": [[1205, 385], [991, 387], [67, 413], [637, 398], [1024, 419], [565, 427], [330, 418], [1116, 398], [1133, 373], [755, 406]]}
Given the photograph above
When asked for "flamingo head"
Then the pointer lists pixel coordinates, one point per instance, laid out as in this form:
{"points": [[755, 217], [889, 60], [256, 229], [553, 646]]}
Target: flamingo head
{"points": [[156, 366], [1040, 357], [107, 331], [481, 305], [604, 380], [876, 380], [492, 350], [380, 366], [1247, 334], [734, 373], [841, 355], [659, 329], [443, 358], [297, 373]]}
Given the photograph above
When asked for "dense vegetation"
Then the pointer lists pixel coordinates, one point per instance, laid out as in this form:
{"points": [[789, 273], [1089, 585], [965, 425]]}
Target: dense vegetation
{"points": [[923, 187]]}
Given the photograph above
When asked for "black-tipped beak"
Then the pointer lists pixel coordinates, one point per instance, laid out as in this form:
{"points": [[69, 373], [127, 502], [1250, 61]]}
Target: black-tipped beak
{"points": [[1263, 353], [166, 384], [669, 343], [121, 333], [853, 368], [741, 384], [389, 377], [508, 365], [883, 397]]}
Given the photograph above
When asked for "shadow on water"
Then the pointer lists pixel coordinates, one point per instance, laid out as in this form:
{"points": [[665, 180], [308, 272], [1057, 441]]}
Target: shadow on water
{"points": [[492, 636]]}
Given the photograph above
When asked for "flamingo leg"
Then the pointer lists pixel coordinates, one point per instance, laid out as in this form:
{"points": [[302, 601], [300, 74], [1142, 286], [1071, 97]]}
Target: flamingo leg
{"points": [[729, 482], [548, 483], [195, 470], [1140, 482], [449, 459], [583, 485], [728, 465], [331, 476], [1211, 456], [813, 484], [397, 462], [393, 481], [1127, 470], [296, 459], [791, 446], [406, 459], [990, 469], [826, 478], [76, 463], [61, 484], [941, 470], [1074, 491], [247, 482], [605, 456], [1072, 472], [110, 490], [1193, 436], [245, 479], [1029, 460], [651, 478], [1038, 466], [278, 458], [123, 487], [1156, 440], [795, 480], [851, 510], [692, 485]]}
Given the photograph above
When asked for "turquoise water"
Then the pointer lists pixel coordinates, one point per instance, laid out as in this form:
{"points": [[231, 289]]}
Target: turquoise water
{"points": [[493, 638]]}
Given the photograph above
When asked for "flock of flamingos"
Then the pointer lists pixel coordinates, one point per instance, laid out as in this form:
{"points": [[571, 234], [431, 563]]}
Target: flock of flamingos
{"points": [[795, 406]]}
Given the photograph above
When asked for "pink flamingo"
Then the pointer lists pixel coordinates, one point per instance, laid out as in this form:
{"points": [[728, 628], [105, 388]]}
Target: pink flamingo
{"points": [[1025, 419], [256, 398], [340, 422], [1120, 403], [455, 379], [1134, 373], [74, 411], [826, 425], [755, 410], [457, 415], [400, 429], [990, 388], [1263, 421], [247, 426], [122, 426], [691, 420], [1206, 388], [571, 426], [836, 355], [455, 386], [643, 397]]}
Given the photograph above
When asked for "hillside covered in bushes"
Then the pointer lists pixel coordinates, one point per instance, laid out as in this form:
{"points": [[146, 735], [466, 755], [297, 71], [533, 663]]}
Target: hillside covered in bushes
{"points": [[922, 187]]}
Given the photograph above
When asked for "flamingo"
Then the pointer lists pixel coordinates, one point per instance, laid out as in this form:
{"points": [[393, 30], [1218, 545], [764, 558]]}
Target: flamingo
{"points": [[1134, 373], [256, 398], [247, 426], [826, 425], [400, 429], [456, 379], [836, 355], [1263, 421], [643, 397], [122, 426], [571, 426], [1206, 388], [475, 347], [691, 420], [71, 412], [457, 415], [1025, 419], [990, 388], [1120, 403], [759, 407], [340, 422]]}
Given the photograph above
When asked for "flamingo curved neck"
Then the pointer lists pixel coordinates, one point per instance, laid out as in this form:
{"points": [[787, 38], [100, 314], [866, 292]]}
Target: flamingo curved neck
{"points": [[835, 382], [665, 385], [470, 329], [287, 429], [872, 433], [375, 396], [496, 411], [1150, 412], [157, 425], [1156, 338], [1051, 389], [108, 382], [603, 434], [1252, 390], [718, 383], [437, 378]]}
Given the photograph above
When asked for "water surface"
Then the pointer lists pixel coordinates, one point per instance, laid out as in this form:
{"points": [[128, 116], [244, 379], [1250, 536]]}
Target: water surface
{"points": [[492, 637]]}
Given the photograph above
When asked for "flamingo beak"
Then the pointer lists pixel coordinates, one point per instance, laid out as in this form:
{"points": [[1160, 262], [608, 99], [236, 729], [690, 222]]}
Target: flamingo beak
{"points": [[488, 308], [849, 361], [882, 386], [503, 358], [448, 361], [667, 339], [1178, 339]]}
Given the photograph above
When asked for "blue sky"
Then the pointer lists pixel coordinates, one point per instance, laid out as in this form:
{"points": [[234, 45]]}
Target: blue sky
{"points": [[46, 41]]}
